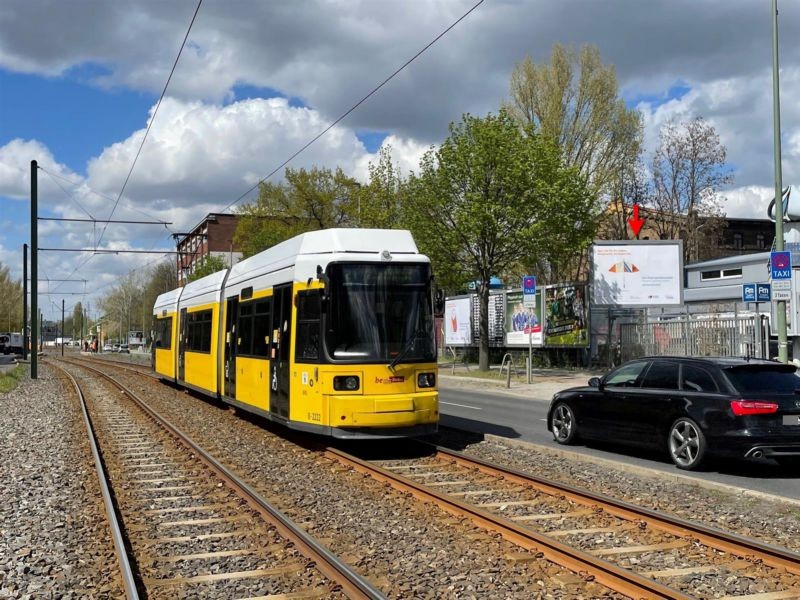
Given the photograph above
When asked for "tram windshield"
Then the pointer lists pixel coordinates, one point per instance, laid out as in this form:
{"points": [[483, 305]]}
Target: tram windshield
{"points": [[378, 311]]}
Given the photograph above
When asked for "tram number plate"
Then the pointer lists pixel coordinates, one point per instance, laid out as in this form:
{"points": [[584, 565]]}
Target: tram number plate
{"points": [[312, 416], [791, 419]]}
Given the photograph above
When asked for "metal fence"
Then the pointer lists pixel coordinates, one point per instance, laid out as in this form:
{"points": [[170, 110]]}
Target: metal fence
{"points": [[709, 336]]}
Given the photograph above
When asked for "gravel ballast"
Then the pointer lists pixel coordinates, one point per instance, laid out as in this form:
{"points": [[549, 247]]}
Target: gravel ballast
{"points": [[770, 521], [54, 537]]}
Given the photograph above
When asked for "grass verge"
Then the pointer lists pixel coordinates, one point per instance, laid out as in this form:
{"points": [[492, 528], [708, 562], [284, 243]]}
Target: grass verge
{"points": [[10, 379]]}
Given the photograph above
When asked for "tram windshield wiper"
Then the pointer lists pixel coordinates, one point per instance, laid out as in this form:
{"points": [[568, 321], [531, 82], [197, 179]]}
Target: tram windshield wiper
{"points": [[408, 347]]}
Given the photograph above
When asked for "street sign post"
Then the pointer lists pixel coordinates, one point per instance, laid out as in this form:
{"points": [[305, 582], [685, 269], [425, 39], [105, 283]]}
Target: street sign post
{"points": [[529, 291], [780, 265], [529, 301]]}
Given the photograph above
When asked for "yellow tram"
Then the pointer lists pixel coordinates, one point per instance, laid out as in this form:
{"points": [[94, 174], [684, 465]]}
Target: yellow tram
{"points": [[330, 332]]}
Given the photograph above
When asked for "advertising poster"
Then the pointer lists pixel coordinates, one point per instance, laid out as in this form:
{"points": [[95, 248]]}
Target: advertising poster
{"points": [[637, 273], [566, 316], [522, 322], [457, 327]]}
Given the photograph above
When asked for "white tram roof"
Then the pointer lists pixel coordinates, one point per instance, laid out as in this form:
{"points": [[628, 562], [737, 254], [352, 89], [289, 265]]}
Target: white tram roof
{"points": [[167, 302], [204, 290], [321, 247]]}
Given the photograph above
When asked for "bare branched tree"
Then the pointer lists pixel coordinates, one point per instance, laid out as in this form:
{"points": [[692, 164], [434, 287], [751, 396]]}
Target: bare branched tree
{"points": [[688, 169]]}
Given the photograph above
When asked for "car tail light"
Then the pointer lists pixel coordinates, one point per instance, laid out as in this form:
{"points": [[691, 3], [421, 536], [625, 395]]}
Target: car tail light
{"points": [[753, 407]]}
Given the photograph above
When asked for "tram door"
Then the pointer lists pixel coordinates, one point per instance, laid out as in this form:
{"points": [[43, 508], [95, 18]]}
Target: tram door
{"points": [[279, 352], [183, 326], [231, 318]]}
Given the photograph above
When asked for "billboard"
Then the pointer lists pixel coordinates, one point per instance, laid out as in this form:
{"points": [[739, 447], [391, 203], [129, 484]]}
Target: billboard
{"points": [[457, 327], [566, 316], [522, 322], [135, 338], [637, 273]]}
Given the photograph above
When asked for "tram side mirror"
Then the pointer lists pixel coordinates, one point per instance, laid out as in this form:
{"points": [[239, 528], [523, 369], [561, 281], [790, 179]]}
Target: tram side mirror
{"points": [[325, 280], [438, 303]]}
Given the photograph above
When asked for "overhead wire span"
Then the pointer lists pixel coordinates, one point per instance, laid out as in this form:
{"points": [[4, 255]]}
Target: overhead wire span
{"points": [[152, 120], [102, 195], [355, 106], [68, 195]]}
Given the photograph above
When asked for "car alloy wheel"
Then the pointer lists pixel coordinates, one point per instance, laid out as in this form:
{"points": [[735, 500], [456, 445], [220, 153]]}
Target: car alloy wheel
{"points": [[687, 444], [563, 424]]}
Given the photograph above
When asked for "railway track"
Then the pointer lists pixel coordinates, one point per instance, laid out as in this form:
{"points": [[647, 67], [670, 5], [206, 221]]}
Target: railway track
{"points": [[613, 542], [635, 551], [185, 526]]}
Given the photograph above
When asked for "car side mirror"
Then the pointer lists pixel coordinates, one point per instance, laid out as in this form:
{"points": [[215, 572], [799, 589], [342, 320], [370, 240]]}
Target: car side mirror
{"points": [[596, 382]]}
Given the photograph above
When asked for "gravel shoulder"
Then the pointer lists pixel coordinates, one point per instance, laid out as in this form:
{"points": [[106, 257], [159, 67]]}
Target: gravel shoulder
{"points": [[54, 538]]}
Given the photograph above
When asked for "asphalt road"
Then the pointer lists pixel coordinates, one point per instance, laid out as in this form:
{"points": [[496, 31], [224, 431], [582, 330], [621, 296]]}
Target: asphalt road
{"points": [[520, 418]]}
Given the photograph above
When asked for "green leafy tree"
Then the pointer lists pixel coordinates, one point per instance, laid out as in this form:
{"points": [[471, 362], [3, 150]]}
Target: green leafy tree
{"points": [[489, 197], [206, 266], [308, 200], [160, 279], [10, 302], [378, 203], [574, 102], [77, 316]]}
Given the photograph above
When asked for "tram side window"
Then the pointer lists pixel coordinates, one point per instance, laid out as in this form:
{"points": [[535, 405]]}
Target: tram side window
{"points": [[308, 326], [199, 331], [244, 345], [164, 333], [254, 328], [262, 321]]}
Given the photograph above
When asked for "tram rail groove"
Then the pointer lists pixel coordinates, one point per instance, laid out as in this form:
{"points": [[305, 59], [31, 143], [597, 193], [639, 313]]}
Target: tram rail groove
{"points": [[585, 565], [128, 578], [732, 543], [620, 578], [786, 563], [347, 580]]}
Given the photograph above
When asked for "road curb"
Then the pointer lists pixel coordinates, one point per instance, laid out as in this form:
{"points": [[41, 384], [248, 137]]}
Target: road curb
{"points": [[646, 471]]}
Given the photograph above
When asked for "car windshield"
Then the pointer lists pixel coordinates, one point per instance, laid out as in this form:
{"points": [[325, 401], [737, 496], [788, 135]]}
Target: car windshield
{"points": [[765, 379], [378, 311]]}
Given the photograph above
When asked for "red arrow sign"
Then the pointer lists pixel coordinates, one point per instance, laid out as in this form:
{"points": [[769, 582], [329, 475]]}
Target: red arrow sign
{"points": [[636, 223]]}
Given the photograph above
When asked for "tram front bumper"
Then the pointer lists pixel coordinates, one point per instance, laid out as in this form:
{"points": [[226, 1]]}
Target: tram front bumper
{"points": [[390, 410]]}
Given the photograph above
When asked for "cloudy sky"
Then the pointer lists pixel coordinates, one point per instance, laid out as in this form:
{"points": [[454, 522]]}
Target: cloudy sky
{"points": [[79, 80]]}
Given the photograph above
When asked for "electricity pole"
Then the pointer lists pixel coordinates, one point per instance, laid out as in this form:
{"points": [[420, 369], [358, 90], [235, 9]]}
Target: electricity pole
{"points": [[62, 327], [34, 264], [24, 301], [783, 351]]}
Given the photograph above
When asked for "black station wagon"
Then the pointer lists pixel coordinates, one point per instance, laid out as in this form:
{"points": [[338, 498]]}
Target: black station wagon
{"points": [[692, 407]]}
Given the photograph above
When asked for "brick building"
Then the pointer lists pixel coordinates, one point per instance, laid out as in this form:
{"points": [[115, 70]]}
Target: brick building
{"points": [[213, 236]]}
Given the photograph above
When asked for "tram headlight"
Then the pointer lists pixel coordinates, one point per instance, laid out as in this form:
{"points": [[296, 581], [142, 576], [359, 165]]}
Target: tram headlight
{"points": [[347, 383], [426, 380]]}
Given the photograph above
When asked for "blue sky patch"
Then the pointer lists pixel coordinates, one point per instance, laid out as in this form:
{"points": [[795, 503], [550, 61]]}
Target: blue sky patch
{"points": [[372, 140], [676, 92], [74, 120]]}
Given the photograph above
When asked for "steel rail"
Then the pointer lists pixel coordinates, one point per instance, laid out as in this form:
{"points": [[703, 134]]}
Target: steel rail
{"points": [[351, 583], [725, 541], [606, 573], [128, 578]]}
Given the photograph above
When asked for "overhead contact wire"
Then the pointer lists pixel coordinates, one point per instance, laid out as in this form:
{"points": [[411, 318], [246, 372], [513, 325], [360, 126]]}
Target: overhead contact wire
{"points": [[355, 106], [152, 120]]}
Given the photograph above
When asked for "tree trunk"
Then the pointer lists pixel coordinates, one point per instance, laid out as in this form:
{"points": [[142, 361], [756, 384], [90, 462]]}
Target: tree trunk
{"points": [[483, 326]]}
